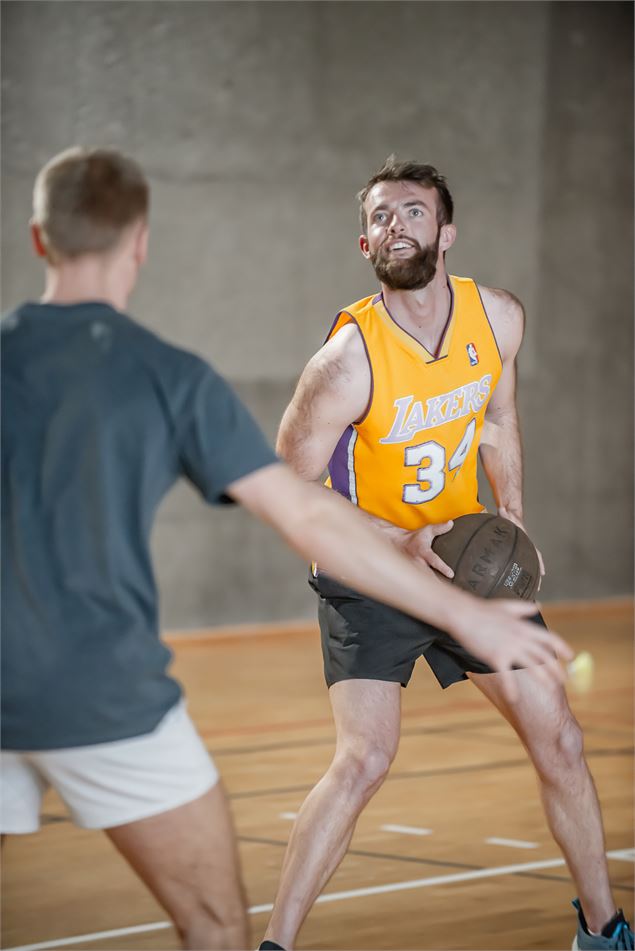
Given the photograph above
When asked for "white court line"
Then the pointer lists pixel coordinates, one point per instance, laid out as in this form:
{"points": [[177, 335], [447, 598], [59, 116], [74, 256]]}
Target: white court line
{"points": [[288, 815], [512, 843], [420, 883], [627, 855], [622, 855], [96, 936], [406, 830], [333, 896]]}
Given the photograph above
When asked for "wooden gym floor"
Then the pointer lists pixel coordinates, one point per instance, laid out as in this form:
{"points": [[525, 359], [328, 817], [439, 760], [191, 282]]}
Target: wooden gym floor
{"points": [[457, 828]]}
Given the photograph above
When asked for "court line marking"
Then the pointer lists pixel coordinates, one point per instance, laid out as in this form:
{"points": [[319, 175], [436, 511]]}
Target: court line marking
{"points": [[95, 936], [512, 843], [425, 882], [332, 896], [598, 753], [466, 726], [288, 815], [405, 830], [479, 704], [420, 860], [622, 855]]}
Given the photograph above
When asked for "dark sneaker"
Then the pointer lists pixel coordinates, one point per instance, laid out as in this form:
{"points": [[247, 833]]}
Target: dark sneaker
{"points": [[270, 946], [617, 934]]}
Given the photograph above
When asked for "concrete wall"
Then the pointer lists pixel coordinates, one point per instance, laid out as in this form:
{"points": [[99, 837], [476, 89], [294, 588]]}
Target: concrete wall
{"points": [[257, 123]]}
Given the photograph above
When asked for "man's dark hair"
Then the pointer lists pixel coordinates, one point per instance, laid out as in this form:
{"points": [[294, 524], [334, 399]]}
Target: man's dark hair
{"points": [[84, 199], [426, 175]]}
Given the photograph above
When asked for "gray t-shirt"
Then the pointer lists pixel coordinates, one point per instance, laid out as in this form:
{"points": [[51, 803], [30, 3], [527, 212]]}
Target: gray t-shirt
{"points": [[99, 419]]}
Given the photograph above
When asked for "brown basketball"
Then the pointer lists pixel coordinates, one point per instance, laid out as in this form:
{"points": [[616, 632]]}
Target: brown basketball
{"points": [[490, 556]]}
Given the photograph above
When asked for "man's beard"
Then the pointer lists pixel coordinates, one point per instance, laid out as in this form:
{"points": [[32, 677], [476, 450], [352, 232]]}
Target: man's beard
{"points": [[407, 274]]}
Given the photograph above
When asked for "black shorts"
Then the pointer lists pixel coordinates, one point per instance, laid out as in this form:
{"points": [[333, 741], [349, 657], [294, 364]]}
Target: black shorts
{"points": [[364, 639]]}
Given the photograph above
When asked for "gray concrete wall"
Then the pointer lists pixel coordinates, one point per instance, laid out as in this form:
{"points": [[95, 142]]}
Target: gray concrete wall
{"points": [[257, 123]]}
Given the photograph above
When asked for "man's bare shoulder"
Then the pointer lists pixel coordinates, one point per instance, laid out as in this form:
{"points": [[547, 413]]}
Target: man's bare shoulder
{"points": [[333, 392], [342, 361], [506, 315], [502, 304]]}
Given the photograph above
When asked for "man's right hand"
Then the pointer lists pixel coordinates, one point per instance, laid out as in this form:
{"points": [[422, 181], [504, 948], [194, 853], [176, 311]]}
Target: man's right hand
{"points": [[418, 545]]}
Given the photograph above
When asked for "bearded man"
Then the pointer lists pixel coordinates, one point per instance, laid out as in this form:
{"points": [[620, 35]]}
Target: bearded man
{"points": [[413, 382]]}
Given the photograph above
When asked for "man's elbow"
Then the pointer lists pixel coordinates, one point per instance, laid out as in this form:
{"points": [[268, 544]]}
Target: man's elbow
{"points": [[286, 447], [311, 514], [298, 457], [280, 447]]}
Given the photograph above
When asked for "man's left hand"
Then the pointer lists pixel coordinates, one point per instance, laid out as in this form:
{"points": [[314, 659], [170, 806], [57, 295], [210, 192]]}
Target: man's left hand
{"points": [[517, 521]]}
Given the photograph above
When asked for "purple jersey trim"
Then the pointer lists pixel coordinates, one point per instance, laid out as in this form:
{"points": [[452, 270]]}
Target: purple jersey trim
{"points": [[372, 376], [338, 464], [337, 317]]}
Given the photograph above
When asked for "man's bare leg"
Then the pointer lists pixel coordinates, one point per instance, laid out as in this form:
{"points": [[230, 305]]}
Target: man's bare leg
{"points": [[552, 736], [367, 717], [188, 859]]}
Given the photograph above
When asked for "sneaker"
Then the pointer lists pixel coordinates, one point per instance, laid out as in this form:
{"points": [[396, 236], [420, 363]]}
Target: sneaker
{"points": [[617, 934]]}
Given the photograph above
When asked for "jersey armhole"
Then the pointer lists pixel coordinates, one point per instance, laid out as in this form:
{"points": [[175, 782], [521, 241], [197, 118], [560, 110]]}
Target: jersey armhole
{"points": [[489, 322], [352, 320]]}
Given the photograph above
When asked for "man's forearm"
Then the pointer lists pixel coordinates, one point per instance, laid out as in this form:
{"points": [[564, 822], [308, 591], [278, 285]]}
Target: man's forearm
{"points": [[320, 525], [351, 545], [394, 533], [501, 455]]}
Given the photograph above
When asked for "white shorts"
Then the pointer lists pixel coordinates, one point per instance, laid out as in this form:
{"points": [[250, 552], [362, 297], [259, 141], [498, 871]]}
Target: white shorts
{"points": [[109, 784]]}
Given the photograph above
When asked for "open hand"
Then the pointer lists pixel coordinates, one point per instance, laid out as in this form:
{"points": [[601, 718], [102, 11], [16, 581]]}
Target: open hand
{"points": [[496, 632]]}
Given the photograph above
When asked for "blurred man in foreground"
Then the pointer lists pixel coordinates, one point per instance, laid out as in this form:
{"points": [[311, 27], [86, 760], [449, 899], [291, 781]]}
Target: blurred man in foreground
{"points": [[100, 418]]}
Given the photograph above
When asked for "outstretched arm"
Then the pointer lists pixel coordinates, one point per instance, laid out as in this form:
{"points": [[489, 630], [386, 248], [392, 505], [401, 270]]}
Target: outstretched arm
{"points": [[317, 523]]}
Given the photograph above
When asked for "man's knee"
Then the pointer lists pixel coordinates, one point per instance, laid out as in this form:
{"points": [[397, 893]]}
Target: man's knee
{"points": [[364, 768], [560, 749], [205, 923]]}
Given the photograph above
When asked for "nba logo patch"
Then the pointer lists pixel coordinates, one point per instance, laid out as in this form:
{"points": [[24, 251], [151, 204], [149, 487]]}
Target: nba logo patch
{"points": [[472, 354]]}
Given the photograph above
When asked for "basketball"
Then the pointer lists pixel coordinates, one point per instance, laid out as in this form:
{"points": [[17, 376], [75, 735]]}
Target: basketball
{"points": [[490, 557]]}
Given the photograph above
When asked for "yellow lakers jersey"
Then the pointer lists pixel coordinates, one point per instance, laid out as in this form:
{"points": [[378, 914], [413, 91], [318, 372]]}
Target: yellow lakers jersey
{"points": [[412, 459]]}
